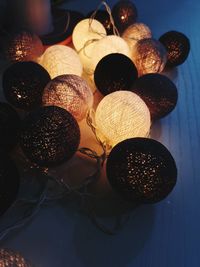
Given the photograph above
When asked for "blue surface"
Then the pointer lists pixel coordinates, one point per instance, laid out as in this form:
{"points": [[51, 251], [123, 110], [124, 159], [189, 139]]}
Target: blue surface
{"points": [[162, 235]]}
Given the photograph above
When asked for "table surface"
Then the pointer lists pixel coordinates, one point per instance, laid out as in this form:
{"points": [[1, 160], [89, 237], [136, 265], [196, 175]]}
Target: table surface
{"points": [[162, 235]]}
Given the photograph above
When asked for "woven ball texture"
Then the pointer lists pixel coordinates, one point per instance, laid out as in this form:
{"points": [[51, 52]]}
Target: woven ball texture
{"points": [[114, 72], [9, 182], [9, 258], [158, 92], [49, 136], [142, 170], [23, 84], [9, 127], [177, 46], [124, 13]]}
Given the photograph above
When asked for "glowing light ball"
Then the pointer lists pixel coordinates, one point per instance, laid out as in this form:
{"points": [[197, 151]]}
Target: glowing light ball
{"points": [[177, 46], [149, 56], [9, 258], [158, 92], [121, 115], [70, 92], [91, 55], [24, 46], [9, 181], [103, 17], [9, 127], [23, 84], [86, 31], [136, 32], [141, 170], [114, 72], [49, 136], [124, 13], [60, 59]]}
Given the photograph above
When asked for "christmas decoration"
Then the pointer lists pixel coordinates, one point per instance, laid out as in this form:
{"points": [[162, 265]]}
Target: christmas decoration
{"points": [[141, 170], [158, 92], [9, 127], [70, 92], [49, 136], [23, 84], [121, 115], [177, 46], [9, 258], [114, 72]]}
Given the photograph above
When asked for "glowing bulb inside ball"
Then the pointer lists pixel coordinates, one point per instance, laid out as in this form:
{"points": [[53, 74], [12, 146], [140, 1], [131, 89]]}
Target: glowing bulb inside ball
{"points": [[122, 115], [60, 59]]}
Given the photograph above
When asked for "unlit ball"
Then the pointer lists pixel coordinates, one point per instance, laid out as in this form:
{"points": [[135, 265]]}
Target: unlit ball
{"points": [[136, 32], [86, 31], [60, 59], [92, 54], [158, 92], [141, 170], [121, 115], [70, 92], [149, 56], [9, 258], [49, 136], [114, 72]]}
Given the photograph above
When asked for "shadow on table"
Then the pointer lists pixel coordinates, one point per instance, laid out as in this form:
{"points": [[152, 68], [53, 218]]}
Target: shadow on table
{"points": [[95, 248]]}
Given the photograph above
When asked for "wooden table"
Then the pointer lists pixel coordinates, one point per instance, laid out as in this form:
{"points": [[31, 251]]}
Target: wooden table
{"points": [[161, 235]]}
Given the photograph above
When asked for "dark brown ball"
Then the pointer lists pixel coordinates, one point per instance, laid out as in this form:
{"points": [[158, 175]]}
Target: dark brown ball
{"points": [[158, 92], [114, 72], [141, 170], [9, 182], [23, 84], [177, 46], [49, 136], [9, 127], [103, 17], [124, 13]]}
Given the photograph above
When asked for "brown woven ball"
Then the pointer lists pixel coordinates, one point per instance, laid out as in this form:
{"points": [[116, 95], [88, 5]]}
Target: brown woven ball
{"points": [[23, 84], [9, 258], [158, 92], [50, 136], [177, 46], [141, 170]]}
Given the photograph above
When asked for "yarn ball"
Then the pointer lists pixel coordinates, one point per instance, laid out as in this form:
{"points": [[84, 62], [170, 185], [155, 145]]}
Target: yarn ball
{"points": [[103, 17], [149, 56], [61, 59], [9, 127], [124, 13], [141, 170], [49, 136], [12, 259], [122, 115], [23, 84], [9, 182], [70, 92], [23, 46], [114, 72], [177, 46], [136, 32], [158, 92]]}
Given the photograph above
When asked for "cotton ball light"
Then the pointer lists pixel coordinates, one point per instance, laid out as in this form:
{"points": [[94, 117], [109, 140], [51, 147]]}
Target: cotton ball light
{"points": [[9, 258], [23, 46], [93, 53], [49, 136], [87, 31], [177, 45], [60, 59], [149, 56], [70, 92], [136, 32], [141, 170], [114, 72], [122, 115]]}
